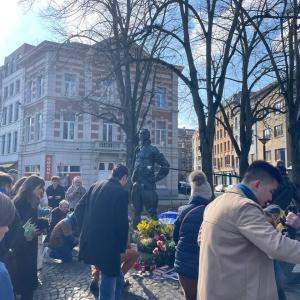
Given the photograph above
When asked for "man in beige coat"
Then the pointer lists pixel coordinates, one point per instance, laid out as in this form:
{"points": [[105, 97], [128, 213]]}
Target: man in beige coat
{"points": [[238, 245]]}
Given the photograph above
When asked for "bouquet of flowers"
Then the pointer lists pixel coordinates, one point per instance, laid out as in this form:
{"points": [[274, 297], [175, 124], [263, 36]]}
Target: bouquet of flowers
{"points": [[156, 241]]}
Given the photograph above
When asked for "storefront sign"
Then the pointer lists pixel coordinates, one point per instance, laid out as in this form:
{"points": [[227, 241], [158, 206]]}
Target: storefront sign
{"points": [[48, 167]]}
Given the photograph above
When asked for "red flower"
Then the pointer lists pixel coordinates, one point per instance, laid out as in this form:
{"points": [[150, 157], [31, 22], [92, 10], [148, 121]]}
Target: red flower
{"points": [[136, 265], [156, 237], [155, 251], [159, 244]]}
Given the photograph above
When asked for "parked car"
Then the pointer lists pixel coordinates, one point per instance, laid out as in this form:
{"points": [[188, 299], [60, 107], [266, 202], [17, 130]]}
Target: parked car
{"points": [[184, 188]]}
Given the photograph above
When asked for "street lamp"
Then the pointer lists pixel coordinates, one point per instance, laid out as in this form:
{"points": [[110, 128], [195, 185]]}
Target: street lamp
{"points": [[264, 140]]}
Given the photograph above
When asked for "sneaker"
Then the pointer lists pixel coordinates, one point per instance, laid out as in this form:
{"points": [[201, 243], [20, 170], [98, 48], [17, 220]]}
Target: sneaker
{"points": [[94, 288]]}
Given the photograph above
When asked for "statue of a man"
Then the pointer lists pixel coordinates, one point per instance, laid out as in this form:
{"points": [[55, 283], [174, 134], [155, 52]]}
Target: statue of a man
{"points": [[144, 177]]}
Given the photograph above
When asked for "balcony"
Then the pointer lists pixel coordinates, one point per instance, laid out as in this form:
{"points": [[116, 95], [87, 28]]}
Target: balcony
{"points": [[108, 146]]}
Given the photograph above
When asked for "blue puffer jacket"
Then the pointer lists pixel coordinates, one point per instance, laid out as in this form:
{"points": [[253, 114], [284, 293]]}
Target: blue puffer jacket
{"points": [[185, 236]]}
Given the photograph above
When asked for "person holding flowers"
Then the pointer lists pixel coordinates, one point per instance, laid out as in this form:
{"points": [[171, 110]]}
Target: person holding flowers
{"points": [[185, 234], [27, 201]]}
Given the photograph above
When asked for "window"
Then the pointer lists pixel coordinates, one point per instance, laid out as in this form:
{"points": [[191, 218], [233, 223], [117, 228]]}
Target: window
{"points": [[3, 144], [10, 113], [29, 129], [160, 96], [40, 86], [29, 91], [278, 106], [5, 92], [39, 126], [4, 116], [267, 133], [221, 147], [107, 132], [11, 90], [16, 111], [101, 166], [227, 160], [268, 155], [15, 141], [224, 146], [108, 89], [18, 86], [278, 130], [8, 142], [74, 169], [280, 154], [68, 125], [221, 133], [32, 169], [160, 133], [235, 123], [218, 148], [110, 166], [70, 85]]}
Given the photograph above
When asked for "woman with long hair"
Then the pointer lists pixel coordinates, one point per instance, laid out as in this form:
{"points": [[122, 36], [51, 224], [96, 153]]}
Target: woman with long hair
{"points": [[27, 201], [7, 215], [185, 234], [17, 186]]}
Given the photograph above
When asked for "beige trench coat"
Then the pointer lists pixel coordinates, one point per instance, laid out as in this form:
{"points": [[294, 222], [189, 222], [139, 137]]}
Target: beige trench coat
{"points": [[237, 248]]}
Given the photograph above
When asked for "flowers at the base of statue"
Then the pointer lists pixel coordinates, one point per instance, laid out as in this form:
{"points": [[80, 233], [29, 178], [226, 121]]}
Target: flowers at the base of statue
{"points": [[155, 251], [159, 244]]}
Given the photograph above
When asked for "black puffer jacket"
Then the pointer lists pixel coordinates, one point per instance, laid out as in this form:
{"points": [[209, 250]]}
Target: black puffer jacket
{"points": [[185, 235]]}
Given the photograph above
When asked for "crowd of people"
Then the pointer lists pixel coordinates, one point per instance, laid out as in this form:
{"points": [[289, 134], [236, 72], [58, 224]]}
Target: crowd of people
{"points": [[227, 248]]}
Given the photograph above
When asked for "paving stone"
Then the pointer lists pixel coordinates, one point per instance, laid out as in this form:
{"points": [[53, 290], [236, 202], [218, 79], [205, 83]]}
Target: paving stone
{"points": [[71, 282]]}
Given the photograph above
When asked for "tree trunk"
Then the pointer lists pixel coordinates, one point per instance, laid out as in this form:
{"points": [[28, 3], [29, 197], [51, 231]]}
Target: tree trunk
{"points": [[244, 164]]}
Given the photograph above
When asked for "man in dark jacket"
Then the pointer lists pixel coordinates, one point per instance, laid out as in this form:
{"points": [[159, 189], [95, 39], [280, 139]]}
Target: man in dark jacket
{"points": [[55, 192], [105, 230]]}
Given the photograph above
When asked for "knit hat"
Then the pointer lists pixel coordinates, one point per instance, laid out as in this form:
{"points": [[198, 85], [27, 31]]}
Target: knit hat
{"points": [[199, 185]]}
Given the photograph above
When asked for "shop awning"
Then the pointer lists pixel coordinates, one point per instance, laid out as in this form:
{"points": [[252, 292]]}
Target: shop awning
{"points": [[7, 165]]}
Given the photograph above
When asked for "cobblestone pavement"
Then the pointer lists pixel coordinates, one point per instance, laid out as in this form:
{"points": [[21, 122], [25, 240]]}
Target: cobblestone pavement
{"points": [[71, 282]]}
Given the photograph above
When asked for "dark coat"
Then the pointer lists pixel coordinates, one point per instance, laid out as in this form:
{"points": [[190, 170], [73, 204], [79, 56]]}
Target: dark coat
{"points": [[56, 215], [57, 195], [105, 226], [26, 251], [285, 193], [186, 229]]}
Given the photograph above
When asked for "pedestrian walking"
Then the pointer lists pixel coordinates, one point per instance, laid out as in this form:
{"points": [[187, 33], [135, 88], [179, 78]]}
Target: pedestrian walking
{"points": [[7, 214], [75, 192], [186, 228], [27, 202], [238, 244], [55, 192], [105, 230]]}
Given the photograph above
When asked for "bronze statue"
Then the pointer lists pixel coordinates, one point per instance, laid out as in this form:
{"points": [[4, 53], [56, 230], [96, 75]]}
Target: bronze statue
{"points": [[144, 177]]}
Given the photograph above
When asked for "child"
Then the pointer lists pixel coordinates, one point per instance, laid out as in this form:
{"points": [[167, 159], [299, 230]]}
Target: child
{"points": [[7, 215]]}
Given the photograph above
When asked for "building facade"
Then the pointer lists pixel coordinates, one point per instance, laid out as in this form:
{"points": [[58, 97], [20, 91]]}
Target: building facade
{"points": [[55, 135], [185, 152]]}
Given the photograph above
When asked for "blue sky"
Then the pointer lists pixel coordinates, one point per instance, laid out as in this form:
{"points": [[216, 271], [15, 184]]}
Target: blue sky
{"points": [[18, 26]]}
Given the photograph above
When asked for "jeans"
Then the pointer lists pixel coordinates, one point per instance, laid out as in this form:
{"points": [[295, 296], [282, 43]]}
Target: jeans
{"points": [[64, 252], [280, 279], [110, 287]]}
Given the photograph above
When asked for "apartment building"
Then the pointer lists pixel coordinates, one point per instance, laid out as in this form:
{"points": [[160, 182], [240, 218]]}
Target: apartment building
{"points": [[185, 152], [274, 129], [55, 135]]}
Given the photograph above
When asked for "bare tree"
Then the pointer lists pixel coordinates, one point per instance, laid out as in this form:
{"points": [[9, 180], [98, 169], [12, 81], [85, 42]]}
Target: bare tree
{"points": [[115, 31], [251, 68], [206, 39], [282, 47]]}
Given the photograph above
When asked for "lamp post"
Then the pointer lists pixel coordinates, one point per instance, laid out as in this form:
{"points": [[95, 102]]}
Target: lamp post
{"points": [[264, 140]]}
